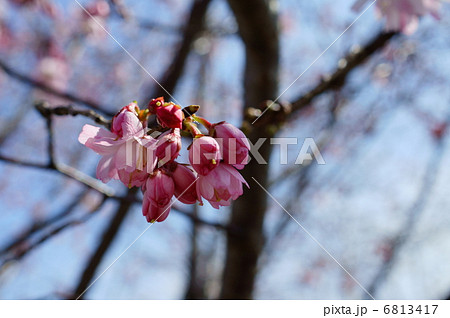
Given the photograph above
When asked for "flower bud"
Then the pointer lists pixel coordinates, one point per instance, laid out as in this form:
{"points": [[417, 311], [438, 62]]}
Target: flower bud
{"points": [[159, 188], [204, 155], [185, 189], [155, 103], [168, 146], [154, 213], [234, 144], [170, 115], [126, 122]]}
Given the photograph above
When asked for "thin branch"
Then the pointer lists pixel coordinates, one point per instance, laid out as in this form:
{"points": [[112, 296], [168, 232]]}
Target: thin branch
{"points": [[45, 88], [105, 242], [278, 114], [66, 171], [47, 111], [42, 224], [194, 26], [197, 220], [103, 189], [119, 7], [19, 253], [123, 13], [413, 213], [50, 143]]}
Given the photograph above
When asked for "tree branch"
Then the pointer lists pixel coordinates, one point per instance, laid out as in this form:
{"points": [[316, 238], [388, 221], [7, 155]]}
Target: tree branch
{"points": [[42, 224], [194, 25], [413, 213], [46, 111], [21, 250], [107, 238], [278, 114]]}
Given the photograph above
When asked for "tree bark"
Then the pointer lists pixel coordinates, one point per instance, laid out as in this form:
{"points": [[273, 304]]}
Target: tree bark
{"points": [[258, 28]]}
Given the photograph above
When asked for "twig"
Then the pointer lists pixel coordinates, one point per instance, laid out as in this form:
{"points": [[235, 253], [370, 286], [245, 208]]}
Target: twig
{"points": [[278, 114], [68, 172], [18, 254], [194, 25], [107, 238], [41, 224], [414, 213], [119, 7], [46, 111]]}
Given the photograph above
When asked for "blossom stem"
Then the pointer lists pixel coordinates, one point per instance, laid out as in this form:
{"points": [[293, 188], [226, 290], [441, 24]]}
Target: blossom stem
{"points": [[202, 121], [192, 128]]}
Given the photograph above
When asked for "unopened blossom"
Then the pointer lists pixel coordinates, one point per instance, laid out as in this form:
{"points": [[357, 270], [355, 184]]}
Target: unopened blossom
{"points": [[403, 15], [126, 122], [169, 115], [185, 184], [220, 186], [158, 192], [154, 213], [155, 103], [204, 154], [136, 178], [168, 146], [234, 144]]}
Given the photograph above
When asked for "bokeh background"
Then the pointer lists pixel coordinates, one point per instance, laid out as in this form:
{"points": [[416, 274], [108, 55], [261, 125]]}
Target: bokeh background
{"points": [[380, 205]]}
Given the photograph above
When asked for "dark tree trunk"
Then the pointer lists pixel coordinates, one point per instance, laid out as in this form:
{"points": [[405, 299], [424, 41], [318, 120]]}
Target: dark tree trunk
{"points": [[258, 28]]}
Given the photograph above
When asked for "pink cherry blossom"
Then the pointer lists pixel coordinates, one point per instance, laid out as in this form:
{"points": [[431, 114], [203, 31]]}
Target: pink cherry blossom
{"points": [[133, 151], [220, 186], [155, 103], [154, 213], [185, 188], [136, 178], [168, 146], [204, 155], [403, 15], [158, 191], [169, 115], [126, 123], [234, 144], [138, 159]]}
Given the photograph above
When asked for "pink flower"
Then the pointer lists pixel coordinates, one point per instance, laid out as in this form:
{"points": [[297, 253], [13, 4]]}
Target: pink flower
{"points": [[220, 186], [99, 8], [154, 213], [168, 146], [155, 103], [403, 15], [185, 188], [131, 154], [158, 192], [126, 123], [169, 115], [234, 144], [204, 155], [136, 178]]}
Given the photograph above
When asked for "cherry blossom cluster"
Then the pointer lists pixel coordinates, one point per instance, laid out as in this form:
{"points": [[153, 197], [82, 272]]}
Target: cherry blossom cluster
{"points": [[140, 156], [402, 15]]}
